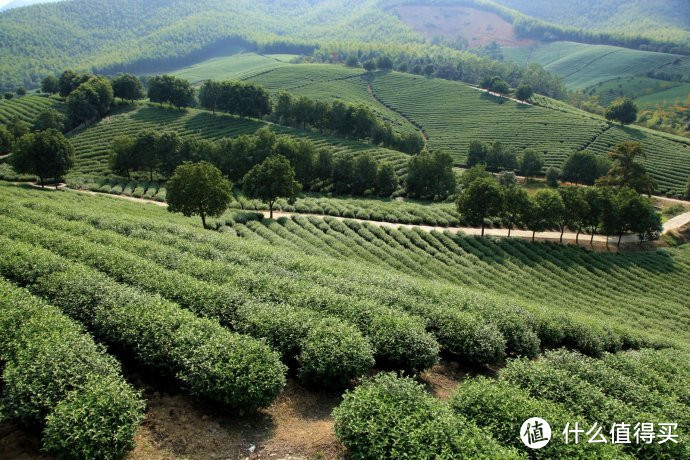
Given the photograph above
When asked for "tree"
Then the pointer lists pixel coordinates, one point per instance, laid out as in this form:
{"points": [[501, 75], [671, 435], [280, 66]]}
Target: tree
{"points": [[552, 176], [144, 149], [386, 180], [581, 168], [507, 179], [198, 189], [524, 92], [384, 63], [69, 81], [343, 174], [625, 171], [430, 175], [484, 198], [531, 162], [324, 164], [365, 170], [9, 95], [167, 152], [622, 110], [499, 86], [472, 174], [47, 154], [209, 95], [50, 85], [128, 86], [576, 210], [49, 119], [352, 61], [476, 153], [21, 91], [176, 91], [123, 158], [17, 127], [636, 214], [6, 141], [687, 189], [270, 180], [594, 198], [92, 99], [516, 208], [369, 66], [547, 211], [301, 154]]}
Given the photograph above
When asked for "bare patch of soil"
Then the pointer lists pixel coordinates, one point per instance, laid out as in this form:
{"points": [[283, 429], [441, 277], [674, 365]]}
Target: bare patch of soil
{"points": [[476, 26]]}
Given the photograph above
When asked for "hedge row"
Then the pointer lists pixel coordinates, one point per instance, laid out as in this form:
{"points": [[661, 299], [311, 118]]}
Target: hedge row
{"points": [[56, 378], [206, 358], [392, 418], [334, 347], [596, 397], [400, 341]]}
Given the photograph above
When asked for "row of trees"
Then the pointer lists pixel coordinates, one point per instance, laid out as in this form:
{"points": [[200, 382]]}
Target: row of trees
{"points": [[348, 120], [595, 209], [237, 97]]}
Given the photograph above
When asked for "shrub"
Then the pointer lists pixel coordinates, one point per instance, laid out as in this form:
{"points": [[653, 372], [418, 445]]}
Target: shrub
{"points": [[389, 418], [51, 365]]}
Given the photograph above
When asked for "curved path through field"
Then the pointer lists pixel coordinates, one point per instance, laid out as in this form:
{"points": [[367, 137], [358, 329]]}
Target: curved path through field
{"points": [[672, 224]]}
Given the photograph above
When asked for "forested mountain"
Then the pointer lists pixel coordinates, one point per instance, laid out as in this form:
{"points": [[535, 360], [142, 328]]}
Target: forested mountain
{"points": [[660, 19], [104, 34]]}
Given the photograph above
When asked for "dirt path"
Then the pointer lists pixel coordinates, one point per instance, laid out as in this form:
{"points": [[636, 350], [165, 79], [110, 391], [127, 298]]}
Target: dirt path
{"points": [[498, 95], [672, 224]]}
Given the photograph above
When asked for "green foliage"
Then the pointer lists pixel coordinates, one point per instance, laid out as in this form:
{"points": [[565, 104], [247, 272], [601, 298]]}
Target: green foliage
{"points": [[52, 373], [517, 207], [198, 189], [49, 119], [69, 81], [172, 90], [553, 175], [531, 163], [483, 199], [430, 175], [47, 154], [128, 86], [623, 111], [239, 98], [625, 171], [90, 100], [389, 417], [270, 180], [524, 92], [583, 168], [50, 85], [209, 360]]}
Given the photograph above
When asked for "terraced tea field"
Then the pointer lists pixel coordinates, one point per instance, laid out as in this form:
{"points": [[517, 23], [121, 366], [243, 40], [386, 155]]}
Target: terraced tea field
{"points": [[583, 66], [93, 144], [588, 301], [237, 66], [26, 107]]}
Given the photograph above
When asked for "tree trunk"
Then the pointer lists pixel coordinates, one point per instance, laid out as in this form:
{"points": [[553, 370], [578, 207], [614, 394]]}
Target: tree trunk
{"points": [[620, 237], [534, 233], [151, 175], [591, 240], [203, 219], [482, 228], [509, 230], [270, 208], [577, 237], [43, 185], [562, 231]]}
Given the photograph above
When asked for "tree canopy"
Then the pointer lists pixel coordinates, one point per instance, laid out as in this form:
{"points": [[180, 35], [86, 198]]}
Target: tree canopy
{"points": [[198, 189], [46, 154], [270, 180]]}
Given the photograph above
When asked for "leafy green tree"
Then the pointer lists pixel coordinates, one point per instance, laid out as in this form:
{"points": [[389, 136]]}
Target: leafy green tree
{"points": [[343, 174], [581, 168], [123, 158], [178, 92], [476, 153], [470, 175], [553, 174], [144, 150], [270, 180], [507, 179], [167, 152], [128, 86], [594, 197], [498, 85], [92, 99], [9, 95], [484, 198], [687, 189], [386, 179], [46, 154], [384, 63], [576, 210], [430, 175], [369, 66], [610, 212], [626, 171], [531, 163], [198, 189], [524, 92], [21, 91], [516, 209], [285, 107], [622, 110], [50, 85], [324, 164], [6, 141], [301, 154], [498, 158], [17, 127], [365, 170], [49, 119], [546, 211], [209, 95], [69, 81], [352, 61], [636, 214]]}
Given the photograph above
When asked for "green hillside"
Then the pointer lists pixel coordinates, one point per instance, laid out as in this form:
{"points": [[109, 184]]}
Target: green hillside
{"points": [[583, 66], [661, 19], [26, 107]]}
